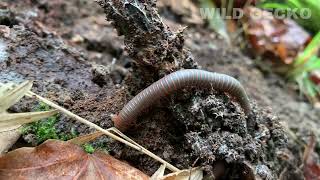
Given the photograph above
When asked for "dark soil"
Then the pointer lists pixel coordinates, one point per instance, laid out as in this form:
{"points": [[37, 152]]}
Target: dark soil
{"points": [[67, 49]]}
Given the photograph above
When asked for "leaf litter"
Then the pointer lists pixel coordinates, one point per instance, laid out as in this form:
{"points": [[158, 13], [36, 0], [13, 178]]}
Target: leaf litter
{"points": [[17, 118], [10, 123], [64, 160]]}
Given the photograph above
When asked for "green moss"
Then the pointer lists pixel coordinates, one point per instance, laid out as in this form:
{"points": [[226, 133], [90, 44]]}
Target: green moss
{"points": [[46, 129], [88, 148], [42, 107], [97, 144]]}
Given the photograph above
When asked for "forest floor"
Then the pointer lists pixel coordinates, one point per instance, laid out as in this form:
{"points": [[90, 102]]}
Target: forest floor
{"points": [[67, 48]]}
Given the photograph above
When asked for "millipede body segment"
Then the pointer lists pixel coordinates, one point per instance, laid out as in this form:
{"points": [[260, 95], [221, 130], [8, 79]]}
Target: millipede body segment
{"points": [[175, 81]]}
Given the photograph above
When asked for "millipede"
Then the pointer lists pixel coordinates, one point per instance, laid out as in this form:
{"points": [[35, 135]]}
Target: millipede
{"points": [[177, 80]]}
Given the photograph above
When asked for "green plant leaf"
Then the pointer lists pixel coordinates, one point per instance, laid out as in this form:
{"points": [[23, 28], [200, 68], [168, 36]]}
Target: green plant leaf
{"points": [[309, 86], [274, 6], [312, 24], [312, 64], [309, 51]]}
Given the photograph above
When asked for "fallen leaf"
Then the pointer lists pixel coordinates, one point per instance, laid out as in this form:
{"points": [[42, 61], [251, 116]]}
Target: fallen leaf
{"points": [[159, 173], [11, 96], [8, 137], [63, 160], [15, 119], [188, 174], [315, 76], [10, 123], [280, 38], [80, 140], [311, 168]]}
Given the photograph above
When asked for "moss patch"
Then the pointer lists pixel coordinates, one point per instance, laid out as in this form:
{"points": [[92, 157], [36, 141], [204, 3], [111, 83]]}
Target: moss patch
{"points": [[46, 129], [88, 148]]}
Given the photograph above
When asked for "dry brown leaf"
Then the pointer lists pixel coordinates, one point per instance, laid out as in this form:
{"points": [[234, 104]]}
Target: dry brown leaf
{"points": [[311, 168], [85, 138], [315, 76], [280, 38], [188, 174], [63, 160]]}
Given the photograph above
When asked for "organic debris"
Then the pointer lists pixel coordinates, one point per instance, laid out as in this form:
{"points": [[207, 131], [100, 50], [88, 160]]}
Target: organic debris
{"points": [[311, 166], [187, 174], [108, 132], [315, 76], [86, 138], [269, 36], [10, 123], [56, 159]]}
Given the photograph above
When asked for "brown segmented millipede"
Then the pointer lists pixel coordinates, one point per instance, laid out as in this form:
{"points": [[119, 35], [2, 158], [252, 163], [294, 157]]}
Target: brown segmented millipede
{"points": [[177, 80]]}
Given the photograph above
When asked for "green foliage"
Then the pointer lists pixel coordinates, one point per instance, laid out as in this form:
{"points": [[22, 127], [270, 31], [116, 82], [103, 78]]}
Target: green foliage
{"points": [[45, 129], [42, 107], [312, 24], [305, 63], [88, 148]]}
